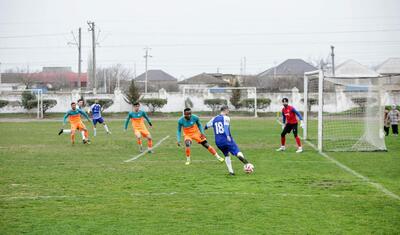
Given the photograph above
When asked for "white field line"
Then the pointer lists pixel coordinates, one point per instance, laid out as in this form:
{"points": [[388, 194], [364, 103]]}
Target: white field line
{"points": [[144, 152], [233, 193], [6, 197], [353, 172]]}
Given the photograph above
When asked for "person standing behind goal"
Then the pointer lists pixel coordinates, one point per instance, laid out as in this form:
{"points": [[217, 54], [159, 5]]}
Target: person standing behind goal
{"points": [[290, 123], [394, 117]]}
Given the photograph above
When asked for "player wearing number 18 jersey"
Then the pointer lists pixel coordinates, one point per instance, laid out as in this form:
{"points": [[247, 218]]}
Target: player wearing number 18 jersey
{"points": [[223, 138]]}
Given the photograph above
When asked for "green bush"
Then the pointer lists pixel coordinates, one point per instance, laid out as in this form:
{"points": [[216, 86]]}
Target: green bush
{"points": [[105, 103], [215, 104], [3, 103], [262, 103], [132, 95], [154, 103], [48, 104], [27, 99]]}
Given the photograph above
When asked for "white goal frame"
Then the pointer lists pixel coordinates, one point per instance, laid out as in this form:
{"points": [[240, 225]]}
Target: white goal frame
{"points": [[208, 89]]}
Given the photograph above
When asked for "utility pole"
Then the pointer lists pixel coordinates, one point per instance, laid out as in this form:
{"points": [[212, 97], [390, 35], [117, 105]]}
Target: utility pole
{"points": [[134, 71], [244, 65], [92, 28], [333, 60], [0, 72], [78, 43], [146, 56]]}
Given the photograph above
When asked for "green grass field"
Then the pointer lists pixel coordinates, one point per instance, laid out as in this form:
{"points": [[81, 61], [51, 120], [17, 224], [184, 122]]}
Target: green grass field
{"points": [[48, 186]]}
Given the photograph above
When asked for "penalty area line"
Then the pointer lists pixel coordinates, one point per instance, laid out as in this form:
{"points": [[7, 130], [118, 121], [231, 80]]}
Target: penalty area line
{"points": [[144, 152], [355, 173]]}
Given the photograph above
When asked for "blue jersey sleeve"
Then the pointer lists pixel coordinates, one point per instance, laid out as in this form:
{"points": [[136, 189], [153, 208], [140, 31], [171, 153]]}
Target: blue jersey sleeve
{"points": [[283, 118], [297, 114]]}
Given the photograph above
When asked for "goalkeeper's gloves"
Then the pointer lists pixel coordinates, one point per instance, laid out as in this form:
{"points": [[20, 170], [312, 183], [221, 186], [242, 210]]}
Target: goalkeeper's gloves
{"points": [[301, 124]]}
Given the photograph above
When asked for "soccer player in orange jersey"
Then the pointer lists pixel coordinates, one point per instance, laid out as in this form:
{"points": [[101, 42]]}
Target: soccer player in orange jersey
{"points": [[74, 116], [193, 130], [137, 117]]}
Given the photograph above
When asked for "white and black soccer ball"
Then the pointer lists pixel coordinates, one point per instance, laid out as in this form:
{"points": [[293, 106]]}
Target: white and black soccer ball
{"points": [[248, 168]]}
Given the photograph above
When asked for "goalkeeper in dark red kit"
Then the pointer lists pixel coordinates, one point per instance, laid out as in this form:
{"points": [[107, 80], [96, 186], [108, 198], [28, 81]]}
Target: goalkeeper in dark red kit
{"points": [[290, 123]]}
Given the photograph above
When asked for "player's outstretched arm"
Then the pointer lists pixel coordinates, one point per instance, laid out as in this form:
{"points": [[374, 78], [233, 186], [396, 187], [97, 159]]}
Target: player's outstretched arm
{"points": [[147, 118], [127, 121], [209, 124], [179, 133], [84, 114], [65, 118]]}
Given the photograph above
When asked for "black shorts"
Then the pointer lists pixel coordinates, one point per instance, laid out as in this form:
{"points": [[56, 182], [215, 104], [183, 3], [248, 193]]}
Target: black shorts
{"points": [[288, 128]]}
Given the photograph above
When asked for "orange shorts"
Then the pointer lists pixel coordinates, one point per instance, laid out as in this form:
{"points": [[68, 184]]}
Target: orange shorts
{"points": [[197, 136], [77, 126], [142, 133]]}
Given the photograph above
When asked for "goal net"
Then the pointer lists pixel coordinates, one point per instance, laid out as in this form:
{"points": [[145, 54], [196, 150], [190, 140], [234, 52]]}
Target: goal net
{"points": [[343, 114], [239, 99]]}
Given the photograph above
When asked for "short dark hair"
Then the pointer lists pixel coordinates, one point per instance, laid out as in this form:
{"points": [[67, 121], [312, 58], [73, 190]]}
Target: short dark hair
{"points": [[81, 100], [136, 104], [285, 99], [73, 103], [224, 107], [187, 110]]}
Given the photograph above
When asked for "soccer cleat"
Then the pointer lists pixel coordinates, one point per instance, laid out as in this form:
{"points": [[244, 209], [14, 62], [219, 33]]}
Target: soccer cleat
{"points": [[221, 160], [84, 141], [140, 149], [61, 131], [150, 151], [299, 150], [282, 148], [109, 132], [187, 163], [231, 173], [88, 141]]}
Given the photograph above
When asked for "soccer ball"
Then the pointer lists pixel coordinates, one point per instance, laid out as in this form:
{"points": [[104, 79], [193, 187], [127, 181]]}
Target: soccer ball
{"points": [[248, 168]]}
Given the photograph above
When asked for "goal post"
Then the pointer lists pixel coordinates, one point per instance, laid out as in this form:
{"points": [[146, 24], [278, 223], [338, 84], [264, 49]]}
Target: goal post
{"points": [[343, 113], [222, 93], [16, 96]]}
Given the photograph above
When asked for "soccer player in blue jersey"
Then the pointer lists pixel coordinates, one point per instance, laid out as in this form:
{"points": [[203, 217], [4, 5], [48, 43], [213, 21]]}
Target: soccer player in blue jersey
{"points": [[224, 139], [96, 110], [137, 117]]}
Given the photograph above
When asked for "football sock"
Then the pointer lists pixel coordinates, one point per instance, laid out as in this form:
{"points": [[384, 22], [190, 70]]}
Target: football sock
{"points": [[150, 143], [240, 156], [106, 127], [86, 134], [298, 141], [139, 141], [67, 131], [94, 131], [83, 134], [212, 151], [229, 163], [187, 150], [283, 140]]}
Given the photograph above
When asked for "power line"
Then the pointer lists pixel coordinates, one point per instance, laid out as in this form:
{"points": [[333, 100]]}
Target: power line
{"points": [[35, 35]]}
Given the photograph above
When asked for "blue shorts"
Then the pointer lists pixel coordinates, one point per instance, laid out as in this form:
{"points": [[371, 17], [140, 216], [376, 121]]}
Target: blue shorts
{"points": [[98, 120], [229, 148]]}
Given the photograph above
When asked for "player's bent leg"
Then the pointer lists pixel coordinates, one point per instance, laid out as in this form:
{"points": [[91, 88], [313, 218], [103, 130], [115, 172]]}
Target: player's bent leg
{"points": [[106, 128], [149, 144], [298, 142], [211, 150], [240, 156], [72, 136], [283, 139], [188, 143]]}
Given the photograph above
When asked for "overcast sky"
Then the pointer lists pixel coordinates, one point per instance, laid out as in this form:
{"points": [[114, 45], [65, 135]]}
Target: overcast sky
{"points": [[189, 37]]}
